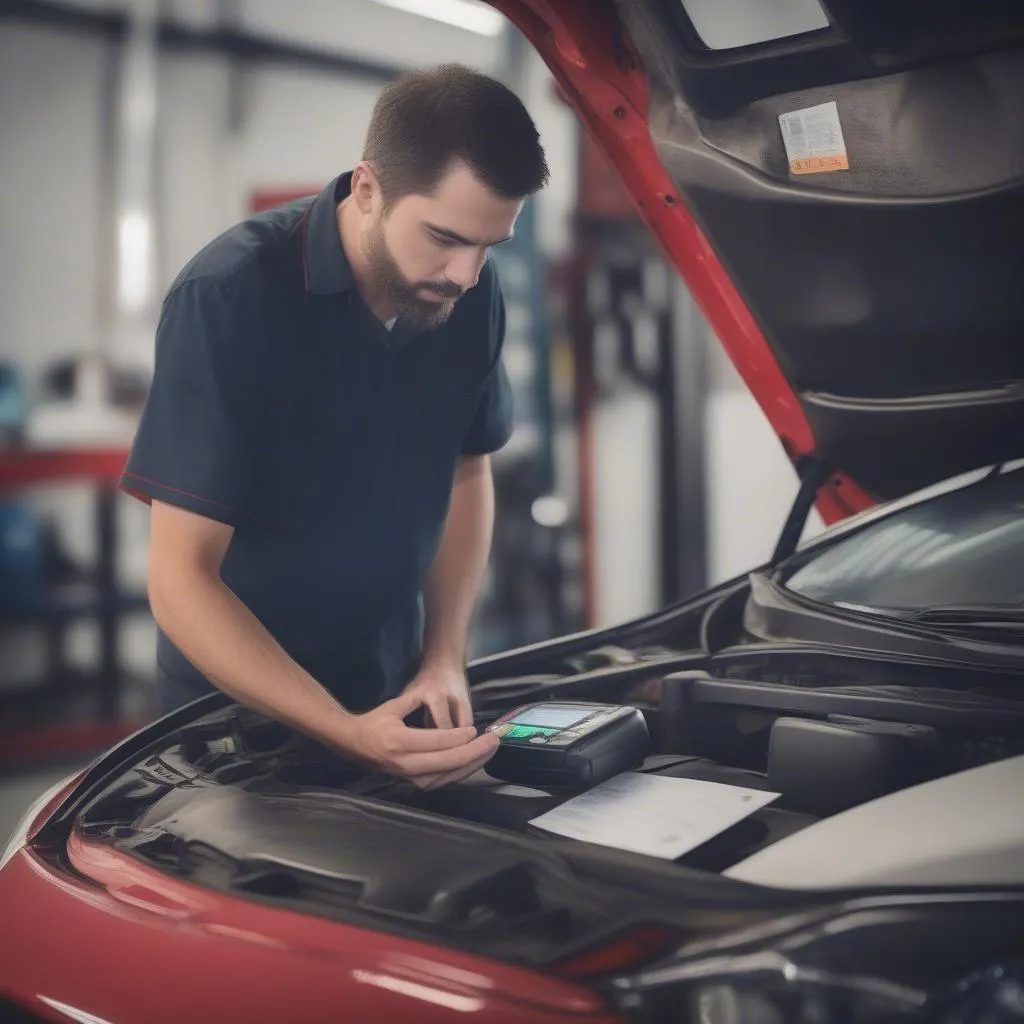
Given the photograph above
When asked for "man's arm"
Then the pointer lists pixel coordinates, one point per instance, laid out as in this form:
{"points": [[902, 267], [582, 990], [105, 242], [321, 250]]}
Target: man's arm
{"points": [[451, 592], [232, 648]]}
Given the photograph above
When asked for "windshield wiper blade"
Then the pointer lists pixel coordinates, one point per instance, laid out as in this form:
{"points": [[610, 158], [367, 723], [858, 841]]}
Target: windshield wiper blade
{"points": [[995, 616]]}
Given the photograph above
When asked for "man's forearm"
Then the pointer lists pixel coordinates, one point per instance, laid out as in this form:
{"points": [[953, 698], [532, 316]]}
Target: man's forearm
{"points": [[233, 649], [457, 573]]}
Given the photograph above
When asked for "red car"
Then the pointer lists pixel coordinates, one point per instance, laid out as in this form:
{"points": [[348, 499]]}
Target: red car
{"points": [[847, 205]]}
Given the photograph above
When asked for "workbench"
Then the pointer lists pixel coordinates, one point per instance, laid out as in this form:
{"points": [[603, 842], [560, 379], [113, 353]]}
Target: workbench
{"points": [[71, 714]]}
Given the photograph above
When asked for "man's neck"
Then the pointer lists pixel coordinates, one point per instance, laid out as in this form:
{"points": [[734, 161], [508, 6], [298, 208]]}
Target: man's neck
{"points": [[348, 229]]}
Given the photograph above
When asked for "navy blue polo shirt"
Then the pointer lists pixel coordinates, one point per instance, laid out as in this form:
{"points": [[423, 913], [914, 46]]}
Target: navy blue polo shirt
{"points": [[281, 405]]}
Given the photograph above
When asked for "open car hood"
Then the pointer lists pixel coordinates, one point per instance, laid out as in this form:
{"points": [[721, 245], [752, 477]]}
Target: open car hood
{"points": [[873, 310]]}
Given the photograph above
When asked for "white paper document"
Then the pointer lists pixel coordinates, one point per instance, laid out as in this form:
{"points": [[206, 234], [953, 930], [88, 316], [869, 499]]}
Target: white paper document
{"points": [[813, 138], [653, 814]]}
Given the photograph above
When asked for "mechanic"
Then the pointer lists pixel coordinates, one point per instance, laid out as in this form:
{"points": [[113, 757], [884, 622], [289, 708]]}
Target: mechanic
{"points": [[315, 445]]}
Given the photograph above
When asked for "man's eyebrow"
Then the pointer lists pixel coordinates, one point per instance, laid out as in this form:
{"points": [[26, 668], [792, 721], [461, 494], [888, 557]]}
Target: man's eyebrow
{"points": [[453, 236]]}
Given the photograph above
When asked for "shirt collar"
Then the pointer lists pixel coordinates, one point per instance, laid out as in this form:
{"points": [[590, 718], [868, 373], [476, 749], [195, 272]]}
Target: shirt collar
{"points": [[327, 268]]}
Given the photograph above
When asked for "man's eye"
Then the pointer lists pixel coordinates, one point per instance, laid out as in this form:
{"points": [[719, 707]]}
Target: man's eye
{"points": [[444, 243]]}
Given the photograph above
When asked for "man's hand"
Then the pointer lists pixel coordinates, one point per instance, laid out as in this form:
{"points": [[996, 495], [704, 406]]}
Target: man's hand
{"points": [[445, 693], [428, 757]]}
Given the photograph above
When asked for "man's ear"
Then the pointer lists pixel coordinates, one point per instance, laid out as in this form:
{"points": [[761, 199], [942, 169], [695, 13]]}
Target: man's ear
{"points": [[366, 191]]}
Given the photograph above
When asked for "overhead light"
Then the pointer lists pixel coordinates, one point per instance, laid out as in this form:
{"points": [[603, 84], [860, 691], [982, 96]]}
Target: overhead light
{"points": [[134, 280], [550, 511], [468, 14]]}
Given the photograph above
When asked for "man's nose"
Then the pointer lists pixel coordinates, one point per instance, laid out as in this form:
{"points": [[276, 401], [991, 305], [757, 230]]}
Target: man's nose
{"points": [[464, 269]]}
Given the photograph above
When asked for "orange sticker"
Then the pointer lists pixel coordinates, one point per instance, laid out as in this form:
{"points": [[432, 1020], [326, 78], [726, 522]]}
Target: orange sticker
{"points": [[819, 164]]}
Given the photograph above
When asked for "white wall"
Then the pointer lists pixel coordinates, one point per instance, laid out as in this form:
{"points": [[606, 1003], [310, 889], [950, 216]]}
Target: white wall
{"points": [[751, 484], [296, 129], [626, 529], [52, 199], [196, 197], [559, 134]]}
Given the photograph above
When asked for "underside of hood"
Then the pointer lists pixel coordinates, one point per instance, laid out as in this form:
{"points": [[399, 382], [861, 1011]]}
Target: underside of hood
{"points": [[874, 309], [869, 845]]}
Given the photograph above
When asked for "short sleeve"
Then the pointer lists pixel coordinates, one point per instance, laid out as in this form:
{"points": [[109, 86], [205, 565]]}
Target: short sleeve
{"points": [[493, 420], [199, 428]]}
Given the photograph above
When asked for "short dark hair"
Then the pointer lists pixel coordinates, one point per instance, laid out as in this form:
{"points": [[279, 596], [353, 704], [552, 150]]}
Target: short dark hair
{"points": [[425, 120]]}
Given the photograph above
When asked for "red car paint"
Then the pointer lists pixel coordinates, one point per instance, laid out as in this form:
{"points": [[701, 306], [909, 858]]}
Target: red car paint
{"points": [[121, 942], [113, 940], [581, 43]]}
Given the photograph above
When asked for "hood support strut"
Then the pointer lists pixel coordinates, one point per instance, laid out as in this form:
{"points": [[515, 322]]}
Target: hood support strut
{"points": [[813, 472]]}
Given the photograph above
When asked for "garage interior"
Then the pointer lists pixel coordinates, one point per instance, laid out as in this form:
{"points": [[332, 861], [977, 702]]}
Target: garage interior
{"points": [[640, 471]]}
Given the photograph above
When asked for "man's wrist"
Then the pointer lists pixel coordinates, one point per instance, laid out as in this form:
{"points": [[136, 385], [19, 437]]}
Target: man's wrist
{"points": [[342, 730], [443, 659]]}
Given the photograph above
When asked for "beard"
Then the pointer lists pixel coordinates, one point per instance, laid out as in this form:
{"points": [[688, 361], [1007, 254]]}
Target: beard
{"points": [[403, 295]]}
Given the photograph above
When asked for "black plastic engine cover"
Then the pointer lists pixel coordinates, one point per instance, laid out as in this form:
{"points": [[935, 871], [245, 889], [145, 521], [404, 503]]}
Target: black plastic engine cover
{"points": [[826, 767]]}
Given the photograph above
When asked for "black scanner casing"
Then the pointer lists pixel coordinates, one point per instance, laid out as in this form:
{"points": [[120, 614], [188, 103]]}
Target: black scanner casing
{"points": [[615, 748]]}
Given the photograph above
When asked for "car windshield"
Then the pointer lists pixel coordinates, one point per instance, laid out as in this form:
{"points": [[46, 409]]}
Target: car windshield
{"points": [[959, 551]]}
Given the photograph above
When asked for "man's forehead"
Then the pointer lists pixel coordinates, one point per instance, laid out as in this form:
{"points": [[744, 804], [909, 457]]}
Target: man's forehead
{"points": [[469, 214]]}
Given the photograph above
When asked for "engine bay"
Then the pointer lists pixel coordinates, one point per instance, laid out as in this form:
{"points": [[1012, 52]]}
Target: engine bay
{"points": [[730, 732], [224, 797]]}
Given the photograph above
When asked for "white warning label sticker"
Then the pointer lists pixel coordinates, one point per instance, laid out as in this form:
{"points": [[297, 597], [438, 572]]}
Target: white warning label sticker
{"points": [[813, 138]]}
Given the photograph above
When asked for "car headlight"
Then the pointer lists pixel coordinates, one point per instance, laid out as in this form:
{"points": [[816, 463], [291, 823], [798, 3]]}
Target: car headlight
{"points": [[991, 996], [928, 959], [766, 988], [807, 1000], [994, 995], [20, 834]]}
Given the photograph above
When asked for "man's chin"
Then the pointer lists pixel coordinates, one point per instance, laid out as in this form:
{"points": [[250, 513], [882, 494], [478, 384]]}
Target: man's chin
{"points": [[438, 319], [433, 313]]}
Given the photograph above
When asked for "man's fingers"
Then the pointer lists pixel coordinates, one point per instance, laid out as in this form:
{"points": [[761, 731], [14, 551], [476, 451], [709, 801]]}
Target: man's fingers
{"points": [[422, 741], [442, 761], [439, 779], [439, 712], [463, 712]]}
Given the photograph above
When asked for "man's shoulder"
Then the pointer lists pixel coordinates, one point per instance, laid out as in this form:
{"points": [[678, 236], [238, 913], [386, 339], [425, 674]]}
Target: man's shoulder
{"points": [[246, 249]]}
